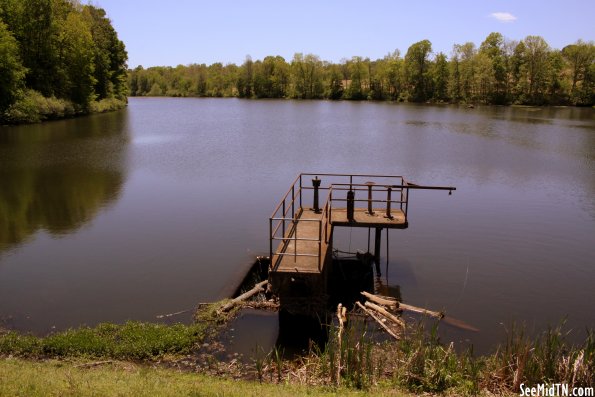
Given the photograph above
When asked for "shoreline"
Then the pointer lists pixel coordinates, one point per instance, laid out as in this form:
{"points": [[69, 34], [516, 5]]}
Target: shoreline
{"points": [[351, 360], [36, 109]]}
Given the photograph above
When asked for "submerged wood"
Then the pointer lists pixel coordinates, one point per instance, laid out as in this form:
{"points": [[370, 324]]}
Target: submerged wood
{"points": [[174, 314], [394, 304], [411, 308], [246, 295], [378, 320], [459, 324], [385, 313]]}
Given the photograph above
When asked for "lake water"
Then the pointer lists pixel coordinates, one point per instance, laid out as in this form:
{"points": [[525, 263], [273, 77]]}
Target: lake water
{"points": [[155, 208]]}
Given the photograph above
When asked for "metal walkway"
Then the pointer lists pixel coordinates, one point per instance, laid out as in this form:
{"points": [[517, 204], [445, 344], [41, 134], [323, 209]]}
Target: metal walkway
{"points": [[301, 230]]}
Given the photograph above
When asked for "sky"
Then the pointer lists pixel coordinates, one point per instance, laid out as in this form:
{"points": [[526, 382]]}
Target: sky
{"points": [[181, 32]]}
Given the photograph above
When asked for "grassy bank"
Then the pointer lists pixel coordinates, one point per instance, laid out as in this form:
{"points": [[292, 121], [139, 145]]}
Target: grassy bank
{"points": [[57, 378], [166, 360], [130, 341], [32, 107]]}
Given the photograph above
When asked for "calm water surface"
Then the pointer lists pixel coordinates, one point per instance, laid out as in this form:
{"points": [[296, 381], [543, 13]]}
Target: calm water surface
{"points": [[155, 208]]}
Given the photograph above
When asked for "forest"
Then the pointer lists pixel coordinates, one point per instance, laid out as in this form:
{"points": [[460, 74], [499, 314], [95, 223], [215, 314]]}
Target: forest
{"points": [[500, 72], [58, 58]]}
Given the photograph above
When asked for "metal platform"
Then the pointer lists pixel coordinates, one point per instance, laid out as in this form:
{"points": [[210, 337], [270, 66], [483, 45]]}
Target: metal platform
{"points": [[303, 230]]}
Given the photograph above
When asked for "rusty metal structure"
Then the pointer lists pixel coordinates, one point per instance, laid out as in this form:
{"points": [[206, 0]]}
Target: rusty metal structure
{"points": [[301, 236]]}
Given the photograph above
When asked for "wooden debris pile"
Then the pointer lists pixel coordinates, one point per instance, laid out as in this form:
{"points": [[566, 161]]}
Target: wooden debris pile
{"points": [[384, 309]]}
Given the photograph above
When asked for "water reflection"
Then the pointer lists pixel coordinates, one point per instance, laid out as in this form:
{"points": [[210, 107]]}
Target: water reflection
{"points": [[57, 176]]}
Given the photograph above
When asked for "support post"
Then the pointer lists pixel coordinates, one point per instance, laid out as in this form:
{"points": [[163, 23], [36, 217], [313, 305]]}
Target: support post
{"points": [[283, 216], [377, 237], [316, 184], [388, 198], [370, 210], [350, 204]]}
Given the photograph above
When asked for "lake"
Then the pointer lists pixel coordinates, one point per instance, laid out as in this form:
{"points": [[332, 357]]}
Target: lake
{"points": [[155, 208]]}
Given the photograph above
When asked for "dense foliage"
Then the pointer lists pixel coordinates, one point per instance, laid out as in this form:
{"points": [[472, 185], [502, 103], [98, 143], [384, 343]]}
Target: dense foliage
{"points": [[500, 71], [132, 340], [58, 58]]}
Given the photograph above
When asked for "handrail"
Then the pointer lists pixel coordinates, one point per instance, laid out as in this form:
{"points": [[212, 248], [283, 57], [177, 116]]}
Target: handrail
{"points": [[293, 202]]}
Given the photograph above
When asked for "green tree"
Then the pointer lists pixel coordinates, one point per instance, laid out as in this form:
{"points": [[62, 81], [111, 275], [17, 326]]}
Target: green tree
{"points": [[12, 72], [77, 60], [215, 80], [484, 80], [555, 79], [35, 34], [306, 72], [246, 79], [395, 75], [417, 69], [335, 82], [464, 56], [440, 77], [493, 48], [579, 56], [517, 68], [109, 55], [358, 85], [536, 54]]}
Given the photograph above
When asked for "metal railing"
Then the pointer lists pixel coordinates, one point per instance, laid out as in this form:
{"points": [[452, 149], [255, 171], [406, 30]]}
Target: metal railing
{"points": [[389, 186]]}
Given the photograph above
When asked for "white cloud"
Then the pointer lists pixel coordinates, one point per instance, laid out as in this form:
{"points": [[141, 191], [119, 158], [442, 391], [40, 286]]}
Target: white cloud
{"points": [[505, 17]]}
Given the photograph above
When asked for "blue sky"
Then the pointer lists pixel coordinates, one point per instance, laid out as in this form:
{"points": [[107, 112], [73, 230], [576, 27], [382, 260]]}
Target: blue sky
{"points": [[158, 32]]}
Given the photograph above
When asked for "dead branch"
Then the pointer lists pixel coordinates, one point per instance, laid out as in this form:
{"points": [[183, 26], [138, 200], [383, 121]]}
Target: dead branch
{"points": [[392, 303], [385, 301], [172, 314], [246, 295], [411, 308], [378, 320], [385, 313]]}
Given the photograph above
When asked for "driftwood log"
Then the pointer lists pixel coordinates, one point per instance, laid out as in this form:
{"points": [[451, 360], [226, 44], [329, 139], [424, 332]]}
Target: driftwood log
{"points": [[385, 313], [411, 308], [389, 302], [394, 304], [246, 295], [378, 320]]}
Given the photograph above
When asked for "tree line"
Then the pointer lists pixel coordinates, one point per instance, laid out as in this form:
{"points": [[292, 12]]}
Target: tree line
{"points": [[58, 58], [499, 71]]}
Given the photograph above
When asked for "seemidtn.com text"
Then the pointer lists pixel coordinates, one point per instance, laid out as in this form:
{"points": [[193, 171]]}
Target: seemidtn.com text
{"points": [[557, 390]]}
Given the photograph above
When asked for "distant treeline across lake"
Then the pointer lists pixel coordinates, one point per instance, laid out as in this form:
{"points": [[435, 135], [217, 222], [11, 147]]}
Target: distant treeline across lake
{"points": [[500, 71]]}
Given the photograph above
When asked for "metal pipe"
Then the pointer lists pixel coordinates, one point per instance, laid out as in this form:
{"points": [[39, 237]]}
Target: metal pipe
{"points": [[316, 185], [283, 228], [295, 242], [377, 237], [350, 204], [319, 243], [370, 185], [388, 214], [301, 191]]}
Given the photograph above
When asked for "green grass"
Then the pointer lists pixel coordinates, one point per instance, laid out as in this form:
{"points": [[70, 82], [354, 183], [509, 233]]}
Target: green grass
{"points": [[419, 363], [132, 341], [55, 378]]}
